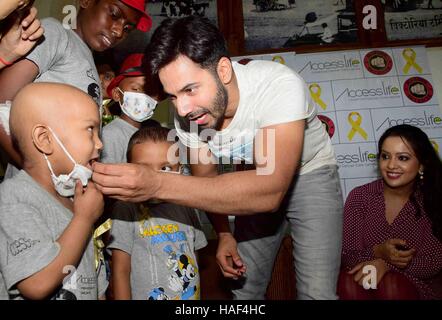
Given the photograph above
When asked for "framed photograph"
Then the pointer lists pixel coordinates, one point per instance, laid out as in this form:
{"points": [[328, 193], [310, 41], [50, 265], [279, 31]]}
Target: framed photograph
{"points": [[163, 9], [413, 19], [276, 24], [160, 10]]}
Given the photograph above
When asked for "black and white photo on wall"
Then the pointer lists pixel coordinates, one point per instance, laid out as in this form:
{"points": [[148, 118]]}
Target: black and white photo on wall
{"points": [[413, 19], [273, 24], [160, 10], [163, 9], [184, 8]]}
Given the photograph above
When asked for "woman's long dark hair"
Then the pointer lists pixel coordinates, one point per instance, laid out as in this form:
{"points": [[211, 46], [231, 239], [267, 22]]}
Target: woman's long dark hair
{"points": [[431, 185]]}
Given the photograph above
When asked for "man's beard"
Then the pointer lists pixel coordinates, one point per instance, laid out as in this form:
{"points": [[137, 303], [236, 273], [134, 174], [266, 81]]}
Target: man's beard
{"points": [[219, 106]]}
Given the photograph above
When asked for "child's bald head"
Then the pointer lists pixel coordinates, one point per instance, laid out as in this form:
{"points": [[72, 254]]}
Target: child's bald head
{"points": [[39, 106]]}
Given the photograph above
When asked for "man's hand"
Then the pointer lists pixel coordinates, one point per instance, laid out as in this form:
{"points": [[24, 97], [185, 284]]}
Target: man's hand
{"points": [[126, 182], [228, 258], [21, 37], [88, 202], [389, 252], [381, 269]]}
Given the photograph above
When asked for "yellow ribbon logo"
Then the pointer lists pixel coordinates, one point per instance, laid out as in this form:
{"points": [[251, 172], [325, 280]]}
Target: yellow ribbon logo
{"points": [[356, 126], [98, 243], [315, 92], [278, 59], [435, 145], [410, 57]]}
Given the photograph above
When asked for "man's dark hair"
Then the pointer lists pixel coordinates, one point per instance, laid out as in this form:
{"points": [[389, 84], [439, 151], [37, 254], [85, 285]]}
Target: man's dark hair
{"points": [[194, 37]]}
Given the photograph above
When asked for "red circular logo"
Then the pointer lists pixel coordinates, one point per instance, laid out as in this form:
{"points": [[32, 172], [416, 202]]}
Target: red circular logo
{"points": [[378, 62], [418, 90], [328, 123]]}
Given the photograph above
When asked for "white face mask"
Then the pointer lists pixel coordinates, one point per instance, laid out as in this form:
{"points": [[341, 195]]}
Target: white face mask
{"points": [[65, 183], [137, 106]]}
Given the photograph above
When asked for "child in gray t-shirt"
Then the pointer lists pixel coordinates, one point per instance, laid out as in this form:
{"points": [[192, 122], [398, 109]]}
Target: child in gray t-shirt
{"points": [[48, 209], [65, 55], [127, 89], [153, 244]]}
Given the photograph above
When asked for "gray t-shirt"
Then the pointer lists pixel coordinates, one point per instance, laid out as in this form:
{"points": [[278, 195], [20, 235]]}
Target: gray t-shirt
{"points": [[161, 241], [63, 57], [115, 137], [31, 221]]}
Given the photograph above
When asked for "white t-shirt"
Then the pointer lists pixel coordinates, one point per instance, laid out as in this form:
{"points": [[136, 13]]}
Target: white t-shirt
{"points": [[270, 94]]}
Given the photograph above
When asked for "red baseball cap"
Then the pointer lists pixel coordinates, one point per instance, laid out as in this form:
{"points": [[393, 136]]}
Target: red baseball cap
{"points": [[131, 68], [145, 22]]}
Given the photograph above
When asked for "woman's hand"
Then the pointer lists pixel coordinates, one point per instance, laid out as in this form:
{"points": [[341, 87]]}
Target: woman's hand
{"points": [[359, 274], [391, 252]]}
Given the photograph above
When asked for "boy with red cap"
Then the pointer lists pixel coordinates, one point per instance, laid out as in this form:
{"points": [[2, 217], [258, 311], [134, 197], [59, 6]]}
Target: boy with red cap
{"points": [[65, 55], [128, 89]]}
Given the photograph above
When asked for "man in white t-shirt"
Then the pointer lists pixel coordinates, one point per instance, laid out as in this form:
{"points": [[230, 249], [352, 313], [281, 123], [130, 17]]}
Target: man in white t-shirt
{"points": [[257, 113]]}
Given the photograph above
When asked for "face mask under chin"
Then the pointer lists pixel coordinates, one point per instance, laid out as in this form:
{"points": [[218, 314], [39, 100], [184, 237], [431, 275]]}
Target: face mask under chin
{"points": [[65, 183]]}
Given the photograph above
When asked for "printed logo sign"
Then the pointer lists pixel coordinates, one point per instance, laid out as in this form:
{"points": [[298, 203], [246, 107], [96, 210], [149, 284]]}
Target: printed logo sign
{"points": [[356, 160], [418, 90], [327, 67], [409, 56], [328, 124], [367, 93], [378, 62], [278, 59], [315, 92], [355, 120], [428, 119], [435, 145]]}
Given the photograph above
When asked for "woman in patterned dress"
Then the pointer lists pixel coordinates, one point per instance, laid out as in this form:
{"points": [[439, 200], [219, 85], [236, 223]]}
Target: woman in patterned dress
{"points": [[393, 226]]}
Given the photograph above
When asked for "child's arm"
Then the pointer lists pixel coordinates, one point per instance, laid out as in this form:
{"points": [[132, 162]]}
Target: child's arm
{"points": [[49, 51], [120, 275], [12, 79], [88, 206], [6, 145], [15, 77], [21, 35]]}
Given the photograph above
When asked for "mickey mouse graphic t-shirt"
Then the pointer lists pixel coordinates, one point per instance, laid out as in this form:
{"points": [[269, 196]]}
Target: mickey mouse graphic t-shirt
{"points": [[161, 240]]}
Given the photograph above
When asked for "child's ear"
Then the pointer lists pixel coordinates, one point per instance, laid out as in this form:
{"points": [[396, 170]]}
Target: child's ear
{"points": [[116, 95], [42, 139], [84, 4], [225, 70]]}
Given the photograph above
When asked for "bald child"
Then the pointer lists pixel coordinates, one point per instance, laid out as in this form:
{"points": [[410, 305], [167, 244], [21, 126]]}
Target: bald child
{"points": [[48, 210]]}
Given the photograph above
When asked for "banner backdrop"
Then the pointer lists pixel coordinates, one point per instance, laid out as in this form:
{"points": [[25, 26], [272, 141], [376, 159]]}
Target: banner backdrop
{"points": [[361, 93]]}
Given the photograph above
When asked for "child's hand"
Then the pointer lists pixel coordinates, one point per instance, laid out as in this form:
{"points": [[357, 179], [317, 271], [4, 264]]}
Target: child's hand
{"points": [[88, 202]]}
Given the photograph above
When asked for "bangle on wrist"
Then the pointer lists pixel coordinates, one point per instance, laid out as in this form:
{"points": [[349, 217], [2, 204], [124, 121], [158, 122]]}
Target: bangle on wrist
{"points": [[6, 63]]}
